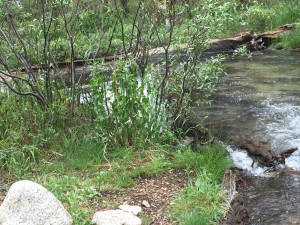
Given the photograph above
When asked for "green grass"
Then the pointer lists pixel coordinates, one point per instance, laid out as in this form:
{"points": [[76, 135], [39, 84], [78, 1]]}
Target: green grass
{"points": [[262, 16], [287, 12], [291, 40], [212, 158], [200, 203], [80, 181]]}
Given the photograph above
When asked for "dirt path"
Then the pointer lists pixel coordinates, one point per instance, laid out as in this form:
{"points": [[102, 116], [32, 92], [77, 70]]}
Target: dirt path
{"points": [[158, 191]]}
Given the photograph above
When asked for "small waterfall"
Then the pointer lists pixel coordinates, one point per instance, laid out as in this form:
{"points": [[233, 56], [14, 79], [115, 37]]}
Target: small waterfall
{"points": [[283, 129]]}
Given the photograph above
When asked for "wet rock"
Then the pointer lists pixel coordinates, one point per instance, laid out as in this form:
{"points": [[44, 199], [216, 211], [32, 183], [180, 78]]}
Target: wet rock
{"points": [[238, 214], [293, 221], [134, 209], [28, 203], [115, 217]]}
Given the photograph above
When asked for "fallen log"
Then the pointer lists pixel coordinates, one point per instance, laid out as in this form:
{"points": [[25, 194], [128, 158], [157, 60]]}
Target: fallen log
{"points": [[226, 45], [253, 42], [288, 152], [250, 39], [261, 152]]}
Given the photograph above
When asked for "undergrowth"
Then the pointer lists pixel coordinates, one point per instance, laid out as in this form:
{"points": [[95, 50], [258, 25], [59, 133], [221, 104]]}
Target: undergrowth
{"points": [[76, 164], [291, 40], [80, 188], [200, 202], [262, 16], [121, 132]]}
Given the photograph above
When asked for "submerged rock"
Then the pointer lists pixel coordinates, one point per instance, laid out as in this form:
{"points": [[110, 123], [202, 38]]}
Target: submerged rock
{"points": [[28, 203]]}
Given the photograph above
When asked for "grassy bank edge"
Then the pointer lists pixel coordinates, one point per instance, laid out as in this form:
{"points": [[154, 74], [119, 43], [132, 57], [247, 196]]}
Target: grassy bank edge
{"points": [[79, 182]]}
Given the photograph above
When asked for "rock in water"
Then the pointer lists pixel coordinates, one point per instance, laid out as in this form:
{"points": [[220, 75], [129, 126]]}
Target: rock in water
{"points": [[28, 203], [115, 217]]}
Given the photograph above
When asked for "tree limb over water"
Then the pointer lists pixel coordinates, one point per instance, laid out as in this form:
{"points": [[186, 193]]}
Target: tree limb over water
{"points": [[261, 152]]}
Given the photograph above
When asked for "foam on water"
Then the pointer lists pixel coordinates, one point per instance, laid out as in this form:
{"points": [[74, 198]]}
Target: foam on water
{"points": [[243, 161], [280, 123], [285, 130], [293, 161]]}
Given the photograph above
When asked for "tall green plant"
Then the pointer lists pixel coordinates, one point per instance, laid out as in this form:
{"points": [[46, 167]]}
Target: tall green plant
{"points": [[126, 114]]}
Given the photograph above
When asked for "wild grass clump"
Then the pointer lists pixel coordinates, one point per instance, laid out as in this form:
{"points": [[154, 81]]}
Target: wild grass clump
{"points": [[108, 141], [287, 12], [81, 188], [258, 16], [67, 154], [200, 203], [212, 157], [261, 16], [291, 40], [266, 15], [30, 134]]}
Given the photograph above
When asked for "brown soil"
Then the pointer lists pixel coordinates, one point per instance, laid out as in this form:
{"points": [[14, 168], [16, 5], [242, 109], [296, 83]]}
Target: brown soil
{"points": [[2, 197], [158, 191]]}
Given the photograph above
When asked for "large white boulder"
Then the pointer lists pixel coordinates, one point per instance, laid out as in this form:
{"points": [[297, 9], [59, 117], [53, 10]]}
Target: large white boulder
{"points": [[28, 203], [115, 217]]}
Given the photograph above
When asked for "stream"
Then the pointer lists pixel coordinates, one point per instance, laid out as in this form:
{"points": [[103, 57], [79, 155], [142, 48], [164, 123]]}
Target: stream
{"points": [[259, 99]]}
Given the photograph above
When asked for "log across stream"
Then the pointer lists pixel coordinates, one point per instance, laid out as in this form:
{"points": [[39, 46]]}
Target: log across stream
{"points": [[83, 69]]}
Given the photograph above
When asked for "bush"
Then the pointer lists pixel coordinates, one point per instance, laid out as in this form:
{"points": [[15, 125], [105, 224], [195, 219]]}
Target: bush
{"points": [[126, 113], [258, 16]]}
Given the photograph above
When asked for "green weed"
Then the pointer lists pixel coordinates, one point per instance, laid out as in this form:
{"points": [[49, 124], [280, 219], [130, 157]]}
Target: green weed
{"points": [[125, 107], [212, 157], [291, 40], [287, 12], [200, 202]]}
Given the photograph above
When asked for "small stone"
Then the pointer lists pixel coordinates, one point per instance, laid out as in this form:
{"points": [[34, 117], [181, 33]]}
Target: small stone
{"points": [[115, 217], [146, 204], [134, 209]]}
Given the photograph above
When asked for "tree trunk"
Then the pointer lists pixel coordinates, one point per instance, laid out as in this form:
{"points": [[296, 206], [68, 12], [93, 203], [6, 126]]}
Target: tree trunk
{"points": [[125, 7]]}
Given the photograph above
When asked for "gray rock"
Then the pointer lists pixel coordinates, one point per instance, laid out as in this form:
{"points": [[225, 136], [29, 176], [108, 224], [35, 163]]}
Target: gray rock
{"points": [[134, 209], [28, 203], [115, 217]]}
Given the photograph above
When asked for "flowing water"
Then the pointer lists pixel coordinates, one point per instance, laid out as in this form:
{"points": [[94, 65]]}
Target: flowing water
{"points": [[260, 99]]}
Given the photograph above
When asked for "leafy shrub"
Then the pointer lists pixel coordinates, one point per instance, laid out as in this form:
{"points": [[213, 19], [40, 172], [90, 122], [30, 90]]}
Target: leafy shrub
{"points": [[258, 16], [126, 113], [287, 12]]}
